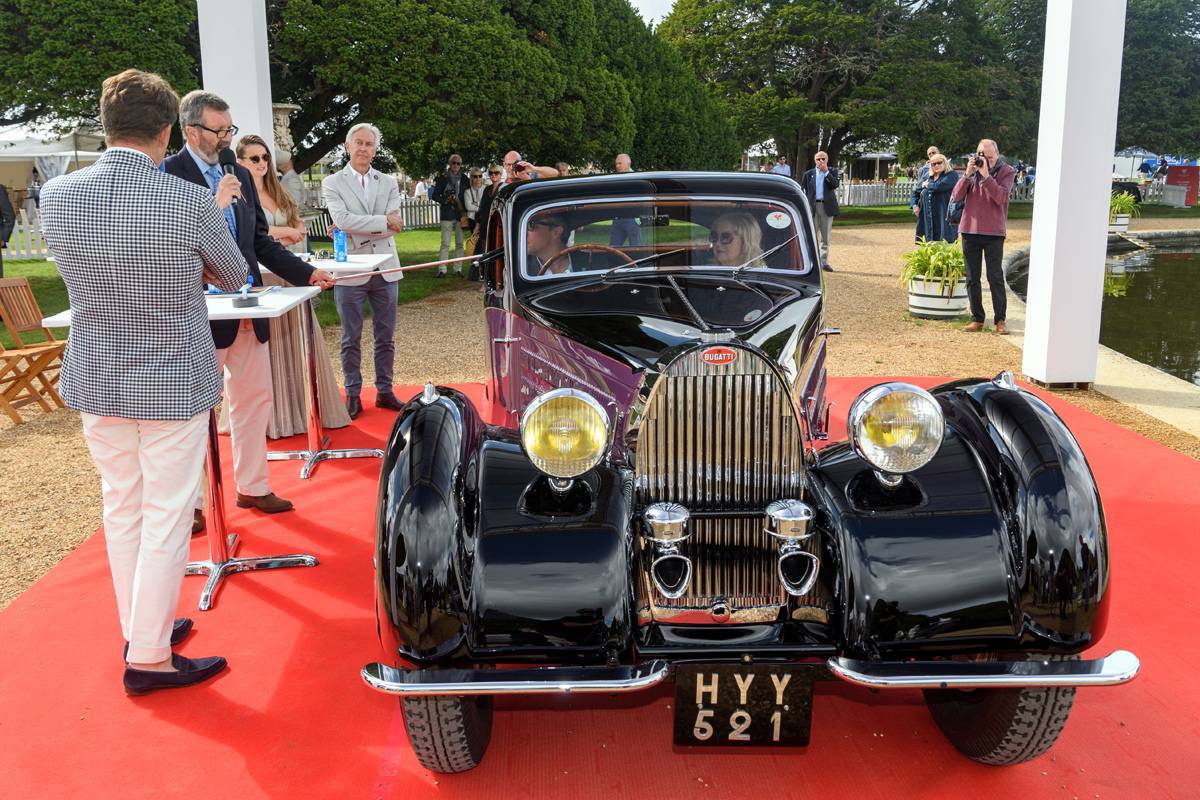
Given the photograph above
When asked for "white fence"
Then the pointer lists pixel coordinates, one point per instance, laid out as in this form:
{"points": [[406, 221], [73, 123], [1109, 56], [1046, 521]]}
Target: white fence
{"points": [[879, 193], [416, 212], [26, 240]]}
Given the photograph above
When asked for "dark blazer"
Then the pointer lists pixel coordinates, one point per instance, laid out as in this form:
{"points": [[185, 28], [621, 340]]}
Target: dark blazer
{"points": [[484, 214], [809, 184], [443, 190], [253, 240], [8, 218]]}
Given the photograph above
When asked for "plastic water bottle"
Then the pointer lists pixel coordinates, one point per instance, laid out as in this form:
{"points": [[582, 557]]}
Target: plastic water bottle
{"points": [[339, 245]]}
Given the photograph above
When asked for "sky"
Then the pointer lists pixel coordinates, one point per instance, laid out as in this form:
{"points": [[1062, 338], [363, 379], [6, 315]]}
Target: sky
{"points": [[654, 10]]}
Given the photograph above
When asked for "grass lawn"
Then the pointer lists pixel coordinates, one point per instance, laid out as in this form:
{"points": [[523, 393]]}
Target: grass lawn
{"points": [[48, 289], [852, 215]]}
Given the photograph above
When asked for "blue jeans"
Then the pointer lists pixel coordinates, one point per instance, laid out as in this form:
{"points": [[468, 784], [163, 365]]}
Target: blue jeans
{"points": [[625, 228], [350, 305]]}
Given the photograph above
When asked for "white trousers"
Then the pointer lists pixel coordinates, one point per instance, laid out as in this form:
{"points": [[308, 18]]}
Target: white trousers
{"points": [[150, 473], [247, 366]]}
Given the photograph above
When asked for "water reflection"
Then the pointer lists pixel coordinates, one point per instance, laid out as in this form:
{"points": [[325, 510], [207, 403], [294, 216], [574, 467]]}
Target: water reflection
{"points": [[1150, 312]]}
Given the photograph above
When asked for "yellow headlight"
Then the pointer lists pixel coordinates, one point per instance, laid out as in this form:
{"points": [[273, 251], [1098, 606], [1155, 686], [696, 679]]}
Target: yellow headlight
{"points": [[896, 427], [564, 433]]}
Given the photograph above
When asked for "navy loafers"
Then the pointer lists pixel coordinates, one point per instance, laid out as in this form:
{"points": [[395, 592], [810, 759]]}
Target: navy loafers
{"points": [[182, 627], [190, 672]]}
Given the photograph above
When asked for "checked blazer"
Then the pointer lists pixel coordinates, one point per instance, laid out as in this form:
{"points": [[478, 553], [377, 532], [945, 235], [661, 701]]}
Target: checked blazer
{"points": [[131, 243], [253, 240]]}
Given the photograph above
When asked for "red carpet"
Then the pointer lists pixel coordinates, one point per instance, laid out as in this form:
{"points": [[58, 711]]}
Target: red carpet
{"points": [[290, 717]]}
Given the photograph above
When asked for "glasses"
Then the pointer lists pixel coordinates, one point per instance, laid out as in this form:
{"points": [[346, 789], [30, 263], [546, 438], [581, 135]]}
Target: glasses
{"points": [[533, 225], [456, 163], [493, 172], [475, 175], [820, 159], [724, 237], [265, 158], [231, 131]]}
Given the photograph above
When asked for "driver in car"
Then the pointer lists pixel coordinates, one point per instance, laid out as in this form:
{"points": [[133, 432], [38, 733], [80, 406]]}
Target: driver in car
{"points": [[546, 239]]}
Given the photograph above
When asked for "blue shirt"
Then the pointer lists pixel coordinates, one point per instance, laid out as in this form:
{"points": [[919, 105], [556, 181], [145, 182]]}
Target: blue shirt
{"points": [[782, 169], [820, 182], [206, 170]]}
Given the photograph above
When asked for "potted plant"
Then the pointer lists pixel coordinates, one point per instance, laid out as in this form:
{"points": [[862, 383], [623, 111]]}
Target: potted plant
{"points": [[936, 278], [1120, 208]]}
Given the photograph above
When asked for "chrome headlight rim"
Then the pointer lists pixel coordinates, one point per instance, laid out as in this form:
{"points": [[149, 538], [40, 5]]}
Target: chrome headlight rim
{"points": [[867, 400], [554, 394]]}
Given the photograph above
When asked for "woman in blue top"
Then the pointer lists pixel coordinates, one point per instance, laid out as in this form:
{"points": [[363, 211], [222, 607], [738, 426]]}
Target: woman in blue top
{"points": [[930, 200]]}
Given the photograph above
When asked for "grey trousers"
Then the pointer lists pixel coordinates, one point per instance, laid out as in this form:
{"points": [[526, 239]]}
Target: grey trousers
{"points": [[350, 305], [824, 224], [454, 225]]}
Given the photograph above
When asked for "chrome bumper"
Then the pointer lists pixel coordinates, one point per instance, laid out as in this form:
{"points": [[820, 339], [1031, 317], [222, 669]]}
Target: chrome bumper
{"points": [[542, 680], [1118, 668]]}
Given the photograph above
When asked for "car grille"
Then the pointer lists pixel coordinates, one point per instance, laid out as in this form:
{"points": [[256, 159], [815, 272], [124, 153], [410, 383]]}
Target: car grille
{"points": [[722, 439]]}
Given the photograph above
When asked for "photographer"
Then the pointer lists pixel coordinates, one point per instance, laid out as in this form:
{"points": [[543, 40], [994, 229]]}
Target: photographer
{"points": [[448, 192], [984, 192]]}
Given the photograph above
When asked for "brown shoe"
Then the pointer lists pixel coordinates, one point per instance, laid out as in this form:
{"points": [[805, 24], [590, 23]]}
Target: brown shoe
{"points": [[268, 503], [389, 401], [1001, 328], [198, 522], [972, 327]]}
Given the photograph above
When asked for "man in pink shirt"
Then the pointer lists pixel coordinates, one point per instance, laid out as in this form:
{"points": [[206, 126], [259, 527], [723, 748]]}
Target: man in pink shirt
{"points": [[984, 192]]}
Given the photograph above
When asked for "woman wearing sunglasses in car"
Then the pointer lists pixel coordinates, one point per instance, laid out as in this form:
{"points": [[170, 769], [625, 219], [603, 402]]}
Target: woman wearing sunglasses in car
{"points": [[736, 239], [283, 215]]}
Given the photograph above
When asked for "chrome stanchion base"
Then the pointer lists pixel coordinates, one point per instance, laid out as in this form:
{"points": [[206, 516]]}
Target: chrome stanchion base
{"points": [[217, 570], [311, 458]]}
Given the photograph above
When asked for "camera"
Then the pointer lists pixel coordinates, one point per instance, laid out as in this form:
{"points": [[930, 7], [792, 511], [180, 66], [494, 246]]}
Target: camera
{"points": [[979, 159]]}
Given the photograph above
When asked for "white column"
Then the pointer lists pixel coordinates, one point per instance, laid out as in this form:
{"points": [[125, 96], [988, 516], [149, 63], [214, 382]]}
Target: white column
{"points": [[233, 56], [1081, 81]]}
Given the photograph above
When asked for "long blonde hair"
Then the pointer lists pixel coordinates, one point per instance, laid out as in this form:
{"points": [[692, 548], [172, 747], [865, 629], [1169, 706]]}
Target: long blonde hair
{"points": [[281, 196], [743, 224]]}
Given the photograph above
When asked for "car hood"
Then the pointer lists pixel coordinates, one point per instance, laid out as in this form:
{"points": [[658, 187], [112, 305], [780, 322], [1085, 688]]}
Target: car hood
{"points": [[641, 319]]}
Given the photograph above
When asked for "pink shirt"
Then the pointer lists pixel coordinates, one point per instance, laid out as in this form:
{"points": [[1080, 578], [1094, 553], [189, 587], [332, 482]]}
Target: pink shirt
{"points": [[986, 209]]}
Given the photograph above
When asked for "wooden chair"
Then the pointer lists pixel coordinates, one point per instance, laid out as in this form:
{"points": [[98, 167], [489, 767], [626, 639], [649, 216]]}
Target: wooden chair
{"points": [[23, 379], [38, 363]]}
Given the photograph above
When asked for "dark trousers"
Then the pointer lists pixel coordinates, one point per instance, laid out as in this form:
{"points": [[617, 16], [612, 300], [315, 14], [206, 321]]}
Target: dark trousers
{"points": [[623, 229], [980, 249]]}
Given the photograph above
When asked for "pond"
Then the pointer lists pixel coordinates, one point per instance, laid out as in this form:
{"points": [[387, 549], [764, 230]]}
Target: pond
{"points": [[1151, 308]]}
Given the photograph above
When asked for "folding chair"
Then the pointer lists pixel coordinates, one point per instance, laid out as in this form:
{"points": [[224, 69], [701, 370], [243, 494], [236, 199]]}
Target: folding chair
{"points": [[42, 360], [19, 370]]}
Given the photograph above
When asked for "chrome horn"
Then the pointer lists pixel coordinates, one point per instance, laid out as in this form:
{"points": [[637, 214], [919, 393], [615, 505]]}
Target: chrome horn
{"points": [[787, 521], [667, 524]]}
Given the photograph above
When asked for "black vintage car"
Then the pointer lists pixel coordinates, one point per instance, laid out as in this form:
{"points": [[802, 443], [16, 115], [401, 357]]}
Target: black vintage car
{"points": [[643, 496]]}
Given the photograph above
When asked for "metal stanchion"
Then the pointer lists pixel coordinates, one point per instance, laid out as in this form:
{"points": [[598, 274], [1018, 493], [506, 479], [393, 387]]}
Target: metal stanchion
{"points": [[317, 441], [221, 544]]}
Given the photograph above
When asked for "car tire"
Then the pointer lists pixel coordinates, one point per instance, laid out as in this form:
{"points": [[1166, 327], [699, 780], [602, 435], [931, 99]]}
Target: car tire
{"points": [[449, 733], [1003, 726]]}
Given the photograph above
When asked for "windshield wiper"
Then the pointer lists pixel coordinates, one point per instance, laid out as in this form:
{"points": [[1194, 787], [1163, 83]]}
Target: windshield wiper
{"points": [[604, 277], [737, 273]]}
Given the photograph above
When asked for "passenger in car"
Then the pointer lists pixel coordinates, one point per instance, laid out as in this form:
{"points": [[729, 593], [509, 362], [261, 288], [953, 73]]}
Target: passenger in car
{"points": [[546, 238], [736, 238]]}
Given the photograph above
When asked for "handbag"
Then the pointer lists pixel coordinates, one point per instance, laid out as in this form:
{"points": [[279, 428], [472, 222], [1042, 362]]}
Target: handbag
{"points": [[954, 211], [472, 243]]}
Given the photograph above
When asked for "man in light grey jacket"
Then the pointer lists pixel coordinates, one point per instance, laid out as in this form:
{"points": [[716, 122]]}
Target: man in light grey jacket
{"points": [[365, 203]]}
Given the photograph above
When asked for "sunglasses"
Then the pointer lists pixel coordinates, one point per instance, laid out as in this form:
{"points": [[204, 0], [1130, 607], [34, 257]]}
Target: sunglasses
{"points": [[266, 159], [724, 237], [456, 163], [533, 225], [493, 172]]}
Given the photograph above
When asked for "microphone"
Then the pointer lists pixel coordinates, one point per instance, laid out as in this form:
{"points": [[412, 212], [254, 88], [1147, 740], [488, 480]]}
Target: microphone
{"points": [[227, 159]]}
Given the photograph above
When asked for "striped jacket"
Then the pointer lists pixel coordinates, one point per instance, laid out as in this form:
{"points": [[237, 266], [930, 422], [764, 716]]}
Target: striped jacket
{"points": [[131, 243]]}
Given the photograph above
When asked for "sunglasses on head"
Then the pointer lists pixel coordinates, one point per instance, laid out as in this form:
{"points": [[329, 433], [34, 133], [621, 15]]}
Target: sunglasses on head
{"points": [[266, 158], [724, 237]]}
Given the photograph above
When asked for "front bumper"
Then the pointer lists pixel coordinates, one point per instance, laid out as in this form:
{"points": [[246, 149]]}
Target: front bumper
{"points": [[1118, 668]]}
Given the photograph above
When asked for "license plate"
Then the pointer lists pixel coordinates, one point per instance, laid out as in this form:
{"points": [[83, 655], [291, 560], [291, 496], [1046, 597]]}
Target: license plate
{"points": [[743, 704]]}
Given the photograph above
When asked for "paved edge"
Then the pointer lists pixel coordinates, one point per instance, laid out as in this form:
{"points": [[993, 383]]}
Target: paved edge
{"points": [[1154, 392]]}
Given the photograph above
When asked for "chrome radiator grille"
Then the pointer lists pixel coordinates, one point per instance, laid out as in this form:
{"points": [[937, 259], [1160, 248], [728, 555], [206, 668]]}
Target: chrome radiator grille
{"points": [[722, 438]]}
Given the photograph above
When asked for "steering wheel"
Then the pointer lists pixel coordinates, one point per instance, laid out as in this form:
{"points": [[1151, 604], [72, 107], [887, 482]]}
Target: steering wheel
{"points": [[582, 247]]}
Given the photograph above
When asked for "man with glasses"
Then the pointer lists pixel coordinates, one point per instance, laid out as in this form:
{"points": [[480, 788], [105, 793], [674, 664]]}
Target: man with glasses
{"points": [[820, 187], [448, 194], [782, 167], [241, 345], [546, 239]]}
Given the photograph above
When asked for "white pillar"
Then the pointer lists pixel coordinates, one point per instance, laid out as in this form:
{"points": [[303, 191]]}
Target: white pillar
{"points": [[1081, 81], [233, 56]]}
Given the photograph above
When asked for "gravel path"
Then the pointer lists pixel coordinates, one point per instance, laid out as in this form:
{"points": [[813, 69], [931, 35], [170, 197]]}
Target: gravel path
{"points": [[51, 492]]}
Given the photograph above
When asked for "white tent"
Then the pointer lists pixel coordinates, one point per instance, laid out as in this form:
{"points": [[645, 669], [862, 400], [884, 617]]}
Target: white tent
{"points": [[53, 153]]}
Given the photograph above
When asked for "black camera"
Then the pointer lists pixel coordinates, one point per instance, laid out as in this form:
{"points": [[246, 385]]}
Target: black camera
{"points": [[979, 159]]}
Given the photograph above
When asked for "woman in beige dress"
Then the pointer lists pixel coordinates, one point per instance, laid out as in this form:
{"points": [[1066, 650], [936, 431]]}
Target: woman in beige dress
{"points": [[283, 215]]}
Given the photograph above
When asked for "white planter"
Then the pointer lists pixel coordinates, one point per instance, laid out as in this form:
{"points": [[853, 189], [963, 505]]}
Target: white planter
{"points": [[1119, 224], [925, 299]]}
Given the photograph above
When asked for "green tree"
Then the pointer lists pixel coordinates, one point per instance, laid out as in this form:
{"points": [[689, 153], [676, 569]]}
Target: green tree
{"points": [[54, 55], [1159, 93], [678, 125]]}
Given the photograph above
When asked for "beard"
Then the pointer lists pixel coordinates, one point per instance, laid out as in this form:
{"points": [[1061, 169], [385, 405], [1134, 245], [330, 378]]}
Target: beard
{"points": [[210, 158]]}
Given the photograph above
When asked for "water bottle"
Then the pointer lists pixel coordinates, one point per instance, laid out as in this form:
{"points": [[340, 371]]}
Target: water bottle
{"points": [[339, 246]]}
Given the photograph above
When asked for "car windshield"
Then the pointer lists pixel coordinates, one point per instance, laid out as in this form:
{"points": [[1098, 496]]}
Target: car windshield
{"points": [[666, 233]]}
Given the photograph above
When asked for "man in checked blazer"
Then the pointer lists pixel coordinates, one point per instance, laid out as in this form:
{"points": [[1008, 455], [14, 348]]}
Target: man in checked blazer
{"points": [[365, 204], [241, 346], [134, 247]]}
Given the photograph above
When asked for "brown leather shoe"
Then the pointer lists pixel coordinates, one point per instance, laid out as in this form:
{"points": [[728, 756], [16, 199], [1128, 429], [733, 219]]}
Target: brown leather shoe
{"points": [[389, 401], [197, 522], [972, 327], [268, 503], [1001, 328]]}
